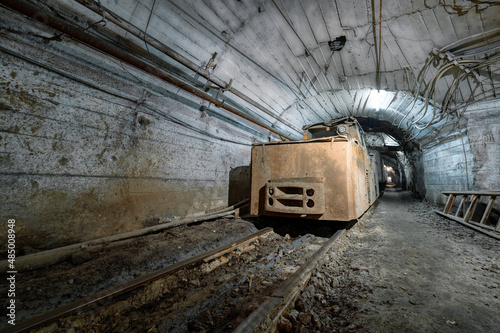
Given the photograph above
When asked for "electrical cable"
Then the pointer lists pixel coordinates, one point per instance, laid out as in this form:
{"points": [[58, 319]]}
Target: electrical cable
{"points": [[482, 34], [431, 88], [379, 47], [147, 25], [466, 68], [452, 89]]}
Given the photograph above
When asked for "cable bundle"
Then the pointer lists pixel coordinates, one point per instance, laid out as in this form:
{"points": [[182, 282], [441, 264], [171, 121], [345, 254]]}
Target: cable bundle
{"points": [[454, 59]]}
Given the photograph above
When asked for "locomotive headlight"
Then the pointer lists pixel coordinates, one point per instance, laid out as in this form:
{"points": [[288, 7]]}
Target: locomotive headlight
{"points": [[341, 129]]}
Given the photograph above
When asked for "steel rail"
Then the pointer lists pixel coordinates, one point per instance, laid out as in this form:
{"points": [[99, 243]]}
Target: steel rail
{"points": [[108, 294], [266, 316], [59, 254], [29, 9]]}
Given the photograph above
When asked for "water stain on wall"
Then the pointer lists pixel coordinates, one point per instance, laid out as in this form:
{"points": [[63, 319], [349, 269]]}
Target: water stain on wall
{"points": [[79, 163]]}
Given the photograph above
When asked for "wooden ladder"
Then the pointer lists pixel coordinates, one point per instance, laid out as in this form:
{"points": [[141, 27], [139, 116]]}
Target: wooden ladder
{"points": [[464, 212]]}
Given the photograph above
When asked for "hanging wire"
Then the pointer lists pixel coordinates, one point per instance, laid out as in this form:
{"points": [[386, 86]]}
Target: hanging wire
{"points": [[379, 47], [451, 63], [147, 26]]}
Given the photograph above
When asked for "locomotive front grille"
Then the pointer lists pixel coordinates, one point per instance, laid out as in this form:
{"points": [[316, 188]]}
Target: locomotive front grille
{"points": [[302, 196]]}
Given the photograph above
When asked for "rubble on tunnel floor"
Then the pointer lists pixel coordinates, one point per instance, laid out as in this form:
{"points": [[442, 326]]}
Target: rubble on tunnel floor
{"points": [[403, 268]]}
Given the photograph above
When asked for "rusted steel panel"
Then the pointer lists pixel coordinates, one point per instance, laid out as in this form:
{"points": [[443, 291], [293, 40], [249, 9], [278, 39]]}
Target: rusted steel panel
{"points": [[326, 178], [297, 196], [296, 161]]}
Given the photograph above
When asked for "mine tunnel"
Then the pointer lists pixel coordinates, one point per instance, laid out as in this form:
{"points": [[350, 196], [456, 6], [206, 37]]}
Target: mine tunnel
{"points": [[250, 166]]}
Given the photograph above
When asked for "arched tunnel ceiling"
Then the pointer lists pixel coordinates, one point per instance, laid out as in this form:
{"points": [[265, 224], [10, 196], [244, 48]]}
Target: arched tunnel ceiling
{"points": [[278, 53]]}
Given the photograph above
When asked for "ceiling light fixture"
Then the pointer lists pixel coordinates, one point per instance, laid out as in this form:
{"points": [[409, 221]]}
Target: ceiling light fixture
{"points": [[376, 98]]}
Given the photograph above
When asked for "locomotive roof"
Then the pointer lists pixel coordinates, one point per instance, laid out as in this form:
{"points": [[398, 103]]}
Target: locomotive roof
{"points": [[332, 122]]}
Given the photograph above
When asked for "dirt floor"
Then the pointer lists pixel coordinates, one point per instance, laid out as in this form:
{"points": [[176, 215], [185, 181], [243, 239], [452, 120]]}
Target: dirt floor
{"points": [[400, 268], [403, 268], [94, 269], [212, 297]]}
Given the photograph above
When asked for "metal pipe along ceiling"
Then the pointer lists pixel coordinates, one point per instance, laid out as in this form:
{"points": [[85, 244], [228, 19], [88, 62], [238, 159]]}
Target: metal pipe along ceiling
{"points": [[122, 23], [28, 9]]}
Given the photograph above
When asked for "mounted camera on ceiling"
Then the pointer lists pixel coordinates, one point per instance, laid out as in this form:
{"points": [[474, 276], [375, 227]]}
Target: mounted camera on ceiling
{"points": [[337, 44]]}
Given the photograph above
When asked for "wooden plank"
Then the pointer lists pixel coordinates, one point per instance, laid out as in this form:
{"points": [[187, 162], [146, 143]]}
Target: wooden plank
{"points": [[100, 297], [480, 193], [482, 225], [449, 203], [59, 254], [460, 207], [488, 209], [472, 208], [470, 225]]}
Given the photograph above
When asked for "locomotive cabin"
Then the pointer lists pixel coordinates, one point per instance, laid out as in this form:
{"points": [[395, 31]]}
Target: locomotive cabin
{"points": [[327, 176]]}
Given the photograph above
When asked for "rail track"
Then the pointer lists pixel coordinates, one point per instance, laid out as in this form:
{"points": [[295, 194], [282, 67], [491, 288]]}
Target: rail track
{"points": [[244, 287], [265, 317], [207, 261]]}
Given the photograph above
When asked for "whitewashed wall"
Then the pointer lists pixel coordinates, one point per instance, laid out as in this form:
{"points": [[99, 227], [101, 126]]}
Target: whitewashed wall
{"points": [[484, 135], [468, 162], [447, 166], [91, 147]]}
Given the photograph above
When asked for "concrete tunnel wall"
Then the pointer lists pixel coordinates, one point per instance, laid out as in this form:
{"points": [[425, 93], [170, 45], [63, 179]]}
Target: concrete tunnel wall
{"points": [[467, 162], [91, 147]]}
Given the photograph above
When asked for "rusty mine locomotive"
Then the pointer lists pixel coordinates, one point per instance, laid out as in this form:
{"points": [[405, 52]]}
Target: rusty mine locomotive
{"points": [[329, 175]]}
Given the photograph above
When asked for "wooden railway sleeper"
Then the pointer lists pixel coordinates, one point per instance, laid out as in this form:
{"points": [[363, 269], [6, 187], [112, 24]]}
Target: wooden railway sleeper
{"points": [[266, 316], [99, 298]]}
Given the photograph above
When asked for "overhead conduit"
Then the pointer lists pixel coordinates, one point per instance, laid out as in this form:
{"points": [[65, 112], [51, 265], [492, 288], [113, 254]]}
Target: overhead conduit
{"points": [[29, 9], [450, 62], [122, 23]]}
